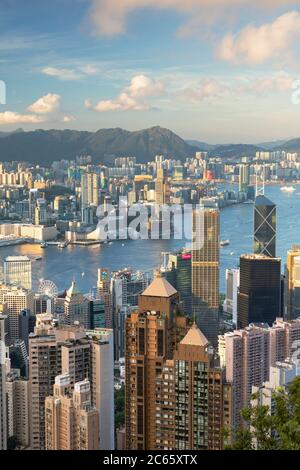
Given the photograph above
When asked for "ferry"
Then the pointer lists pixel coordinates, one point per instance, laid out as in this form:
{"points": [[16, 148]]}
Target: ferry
{"points": [[62, 245], [224, 242], [44, 245], [288, 189]]}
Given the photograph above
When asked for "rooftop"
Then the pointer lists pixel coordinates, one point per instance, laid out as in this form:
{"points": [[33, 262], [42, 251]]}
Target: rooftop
{"points": [[195, 337], [160, 287]]}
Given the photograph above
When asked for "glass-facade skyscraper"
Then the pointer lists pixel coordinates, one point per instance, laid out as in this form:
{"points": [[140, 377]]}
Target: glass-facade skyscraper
{"points": [[264, 227]]}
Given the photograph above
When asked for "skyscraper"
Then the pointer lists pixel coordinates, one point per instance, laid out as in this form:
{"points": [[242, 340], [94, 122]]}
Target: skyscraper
{"points": [[232, 287], [244, 178], [18, 408], [205, 271], [3, 408], [162, 188], [292, 291], [89, 196], [77, 307], [72, 423], [104, 293], [17, 271], [264, 227], [16, 300], [259, 297]]}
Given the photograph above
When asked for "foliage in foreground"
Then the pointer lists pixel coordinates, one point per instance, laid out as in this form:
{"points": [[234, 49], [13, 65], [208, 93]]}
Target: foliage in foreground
{"points": [[279, 431]]}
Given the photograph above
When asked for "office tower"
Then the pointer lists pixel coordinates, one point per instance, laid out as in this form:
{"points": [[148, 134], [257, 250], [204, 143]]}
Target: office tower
{"points": [[44, 366], [18, 355], [72, 423], [259, 298], [205, 271], [232, 288], [247, 362], [16, 300], [3, 406], [264, 227], [244, 178], [104, 293], [17, 408], [179, 273], [40, 212], [17, 271], [26, 325], [97, 313], [292, 291], [89, 196], [76, 307], [126, 286], [162, 188]]}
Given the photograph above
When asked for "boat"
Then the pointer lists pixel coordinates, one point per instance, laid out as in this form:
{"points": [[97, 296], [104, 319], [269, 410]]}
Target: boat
{"points": [[44, 245], [224, 242], [232, 253], [38, 258], [62, 245], [288, 189]]}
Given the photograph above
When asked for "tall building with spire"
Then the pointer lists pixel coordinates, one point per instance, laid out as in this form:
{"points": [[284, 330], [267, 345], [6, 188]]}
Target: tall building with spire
{"points": [[264, 227]]}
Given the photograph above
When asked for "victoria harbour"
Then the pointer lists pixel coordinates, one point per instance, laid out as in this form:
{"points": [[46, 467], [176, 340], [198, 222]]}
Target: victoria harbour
{"points": [[81, 262]]}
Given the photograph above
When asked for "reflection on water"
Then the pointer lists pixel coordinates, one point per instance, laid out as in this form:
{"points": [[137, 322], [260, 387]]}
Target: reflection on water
{"points": [[62, 265]]}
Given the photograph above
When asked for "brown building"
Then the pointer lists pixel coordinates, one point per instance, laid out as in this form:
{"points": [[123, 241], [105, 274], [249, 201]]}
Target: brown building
{"points": [[70, 420], [173, 391]]}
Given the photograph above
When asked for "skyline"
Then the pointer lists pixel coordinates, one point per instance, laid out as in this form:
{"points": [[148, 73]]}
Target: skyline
{"points": [[91, 64]]}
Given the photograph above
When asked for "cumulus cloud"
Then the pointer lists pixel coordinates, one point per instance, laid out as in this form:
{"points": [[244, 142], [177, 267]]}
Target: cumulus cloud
{"points": [[255, 45], [208, 88], [45, 105], [68, 118], [131, 98], [109, 17], [214, 89], [11, 117]]}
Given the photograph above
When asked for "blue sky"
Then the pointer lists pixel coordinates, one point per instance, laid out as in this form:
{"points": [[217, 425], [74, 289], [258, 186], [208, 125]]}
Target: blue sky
{"points": [[211, 70]]}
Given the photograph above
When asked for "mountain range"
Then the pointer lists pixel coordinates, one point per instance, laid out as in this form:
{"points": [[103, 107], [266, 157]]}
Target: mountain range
{"points": [[45, 146]]}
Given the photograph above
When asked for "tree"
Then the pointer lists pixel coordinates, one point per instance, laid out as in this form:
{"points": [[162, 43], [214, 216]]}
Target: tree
{"points": [[279, 430]]}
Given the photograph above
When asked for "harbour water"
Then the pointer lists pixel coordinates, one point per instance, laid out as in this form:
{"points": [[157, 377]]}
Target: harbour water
{"points": [[81, 263]]}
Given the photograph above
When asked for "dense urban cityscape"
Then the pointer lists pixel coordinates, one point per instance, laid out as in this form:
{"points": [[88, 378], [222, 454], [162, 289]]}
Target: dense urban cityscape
{"points": [[149, 281]]}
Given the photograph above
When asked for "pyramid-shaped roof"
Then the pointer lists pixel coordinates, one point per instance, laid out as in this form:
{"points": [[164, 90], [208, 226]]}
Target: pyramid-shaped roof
{"points": [[195, 337], [263, 201], [160, 287]]}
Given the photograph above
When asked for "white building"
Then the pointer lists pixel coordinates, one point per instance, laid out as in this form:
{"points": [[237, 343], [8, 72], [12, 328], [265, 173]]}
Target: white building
{"points": [[232, 287]]}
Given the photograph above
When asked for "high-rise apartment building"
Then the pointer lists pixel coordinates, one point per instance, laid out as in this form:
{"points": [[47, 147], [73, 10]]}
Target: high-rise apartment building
{"points": [[17, 271], [205, 270], [259, 298], [3, 407], [71, 422], [17, 397], [16, 300], [264, 227], [292, 281], [244, 177]]}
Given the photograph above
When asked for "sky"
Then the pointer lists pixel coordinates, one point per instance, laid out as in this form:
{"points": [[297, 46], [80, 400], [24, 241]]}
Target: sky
{"points": [[218, 71]]}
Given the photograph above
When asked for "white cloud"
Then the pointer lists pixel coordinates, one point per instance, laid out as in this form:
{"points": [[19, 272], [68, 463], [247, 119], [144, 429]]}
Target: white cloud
{"points": [[10, 117], [131, 98], [62, 74], [109, 17], [46, 104], [255, 45], [68, 118], [208, 88]]}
